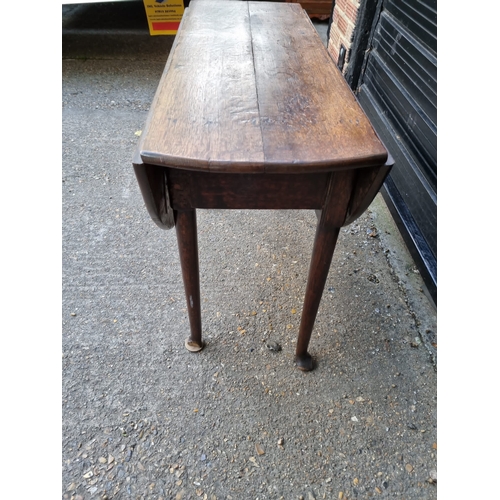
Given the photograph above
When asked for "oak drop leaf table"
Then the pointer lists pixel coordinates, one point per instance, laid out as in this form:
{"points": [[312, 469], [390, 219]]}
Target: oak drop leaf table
{"points": [[252, 113]]}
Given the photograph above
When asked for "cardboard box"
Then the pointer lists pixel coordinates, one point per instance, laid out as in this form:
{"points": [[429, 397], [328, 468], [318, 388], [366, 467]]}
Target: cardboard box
{"points": [[164, 16]]}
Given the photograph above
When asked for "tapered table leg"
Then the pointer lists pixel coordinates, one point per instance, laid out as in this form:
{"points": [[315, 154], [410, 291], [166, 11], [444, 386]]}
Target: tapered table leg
{"points": [[187, 241], [324, 245], [331, 218]]}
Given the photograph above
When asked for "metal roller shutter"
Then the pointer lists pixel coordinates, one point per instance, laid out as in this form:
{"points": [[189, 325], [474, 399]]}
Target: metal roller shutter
{"points": [[397, 88]]}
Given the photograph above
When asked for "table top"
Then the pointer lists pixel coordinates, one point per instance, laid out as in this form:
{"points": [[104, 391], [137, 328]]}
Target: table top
{"points": [[250, 87]]}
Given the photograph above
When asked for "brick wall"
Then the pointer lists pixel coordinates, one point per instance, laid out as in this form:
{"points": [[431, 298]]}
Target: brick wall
{"points": [[344, 19]]}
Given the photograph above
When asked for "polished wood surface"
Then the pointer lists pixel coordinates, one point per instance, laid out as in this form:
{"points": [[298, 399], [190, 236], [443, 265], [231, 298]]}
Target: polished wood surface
{"points": [[251, 113], [251, 88]]}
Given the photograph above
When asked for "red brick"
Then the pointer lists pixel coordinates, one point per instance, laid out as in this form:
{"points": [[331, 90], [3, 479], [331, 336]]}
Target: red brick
{"points": [[352, 13], [348, 8], [333, 52], [342, 24]]}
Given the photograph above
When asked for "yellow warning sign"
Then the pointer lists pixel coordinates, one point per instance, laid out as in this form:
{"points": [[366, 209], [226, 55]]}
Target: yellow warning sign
{"points": [[164, 16]]}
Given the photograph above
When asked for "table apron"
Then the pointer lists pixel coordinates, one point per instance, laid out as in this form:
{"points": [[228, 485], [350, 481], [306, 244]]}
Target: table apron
{"points": [[192, 189]]}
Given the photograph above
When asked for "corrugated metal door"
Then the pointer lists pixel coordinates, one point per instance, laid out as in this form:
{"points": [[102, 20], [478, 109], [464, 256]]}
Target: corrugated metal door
{"points": [[397, 89]]}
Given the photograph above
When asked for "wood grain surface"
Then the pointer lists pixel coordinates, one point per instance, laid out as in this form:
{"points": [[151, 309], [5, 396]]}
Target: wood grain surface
{"points": [[250, 88]]}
